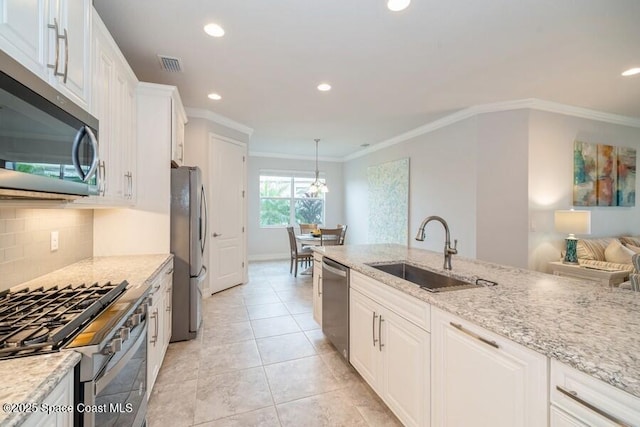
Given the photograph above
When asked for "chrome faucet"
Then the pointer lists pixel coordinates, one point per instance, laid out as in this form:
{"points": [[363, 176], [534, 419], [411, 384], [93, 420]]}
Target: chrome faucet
{"points": [[448, 250]]}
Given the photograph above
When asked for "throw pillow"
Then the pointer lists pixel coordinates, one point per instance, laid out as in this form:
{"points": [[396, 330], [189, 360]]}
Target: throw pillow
{"points": [[617, 253], [635, 249], [593, 248], [630, 240]]}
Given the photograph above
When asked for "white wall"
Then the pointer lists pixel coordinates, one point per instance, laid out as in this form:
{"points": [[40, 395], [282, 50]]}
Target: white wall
{"points": [[442, 181], [551, 138], [272, 243], [496, 178], [502, 197]]}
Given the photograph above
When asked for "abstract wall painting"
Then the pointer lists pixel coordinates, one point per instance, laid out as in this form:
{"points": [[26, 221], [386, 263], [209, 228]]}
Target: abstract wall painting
{"points": [[603, 175], [389, 202]]}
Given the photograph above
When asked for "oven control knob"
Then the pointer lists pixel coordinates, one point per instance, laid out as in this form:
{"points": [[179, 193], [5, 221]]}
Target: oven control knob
{"points": [[123, 333], [114, 346]]}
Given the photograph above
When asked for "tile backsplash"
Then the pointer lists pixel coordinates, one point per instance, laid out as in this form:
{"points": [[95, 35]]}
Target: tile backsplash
{"points": [[25, 241]]}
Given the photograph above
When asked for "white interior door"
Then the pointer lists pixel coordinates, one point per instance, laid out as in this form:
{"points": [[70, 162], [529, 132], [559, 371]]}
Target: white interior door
{"points": [[227, 207]]}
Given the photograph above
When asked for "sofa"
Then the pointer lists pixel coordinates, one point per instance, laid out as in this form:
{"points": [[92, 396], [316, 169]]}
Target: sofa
{"points": [[609, 252]]}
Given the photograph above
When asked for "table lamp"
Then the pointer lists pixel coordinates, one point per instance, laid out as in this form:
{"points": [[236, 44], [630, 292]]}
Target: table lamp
{"points": [[572, 222]]}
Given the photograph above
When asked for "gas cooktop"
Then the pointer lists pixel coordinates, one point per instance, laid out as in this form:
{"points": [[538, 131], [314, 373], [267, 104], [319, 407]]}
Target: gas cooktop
{"points": [[41, 320]]}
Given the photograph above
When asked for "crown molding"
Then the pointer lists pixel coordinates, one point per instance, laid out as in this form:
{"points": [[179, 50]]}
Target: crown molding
{"points": [[530, 103], [294, 157], [199, 113]]}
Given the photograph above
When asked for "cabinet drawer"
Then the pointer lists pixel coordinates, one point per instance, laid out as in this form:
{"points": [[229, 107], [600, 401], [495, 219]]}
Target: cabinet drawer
{"points": [[412, 309], [592, 401], [162, 277]]}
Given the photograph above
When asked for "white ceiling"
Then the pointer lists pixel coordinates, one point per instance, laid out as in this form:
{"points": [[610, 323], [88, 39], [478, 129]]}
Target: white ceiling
{"points": [[390, 72]]}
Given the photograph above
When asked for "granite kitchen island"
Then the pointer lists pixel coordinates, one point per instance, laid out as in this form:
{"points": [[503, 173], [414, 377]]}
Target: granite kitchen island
{"points": [[590, 327]]}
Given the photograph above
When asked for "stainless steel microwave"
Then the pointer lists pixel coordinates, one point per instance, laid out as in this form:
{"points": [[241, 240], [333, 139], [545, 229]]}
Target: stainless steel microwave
{"points": [[48, 145]]}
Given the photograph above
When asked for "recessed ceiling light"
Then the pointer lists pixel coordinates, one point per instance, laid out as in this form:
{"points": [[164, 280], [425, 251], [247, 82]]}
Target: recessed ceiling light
{"points": [[214, 96], [214, 30], [324, 87], [631, 72], [398, 5]]}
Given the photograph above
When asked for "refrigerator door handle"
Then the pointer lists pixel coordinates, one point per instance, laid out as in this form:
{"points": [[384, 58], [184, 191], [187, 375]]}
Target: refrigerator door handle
{"points": [[203, 233]]}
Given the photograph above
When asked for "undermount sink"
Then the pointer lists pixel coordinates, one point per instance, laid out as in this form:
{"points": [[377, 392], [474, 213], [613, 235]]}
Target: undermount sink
{"points": [[428, 280]]}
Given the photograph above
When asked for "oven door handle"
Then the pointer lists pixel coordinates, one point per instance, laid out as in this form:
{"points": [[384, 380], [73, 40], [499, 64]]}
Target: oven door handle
{"points": [[110, 374]]}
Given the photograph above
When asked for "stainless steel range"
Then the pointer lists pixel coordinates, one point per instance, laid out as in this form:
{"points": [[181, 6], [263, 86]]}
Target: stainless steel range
{"points": [[106, 323]]}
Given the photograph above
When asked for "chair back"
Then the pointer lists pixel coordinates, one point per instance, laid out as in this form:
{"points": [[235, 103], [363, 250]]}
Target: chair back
{"points": [[307, 228], [292, 242], [343, 234], [330, 236]]}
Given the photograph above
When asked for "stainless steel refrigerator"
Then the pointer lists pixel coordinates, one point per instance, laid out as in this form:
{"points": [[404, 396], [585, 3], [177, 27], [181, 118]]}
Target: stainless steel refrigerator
{"points": [[188, 242]]}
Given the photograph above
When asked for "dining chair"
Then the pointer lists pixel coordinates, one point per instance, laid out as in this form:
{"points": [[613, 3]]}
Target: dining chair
{"points": [[344, 233], [297, 256], [335, 234]]}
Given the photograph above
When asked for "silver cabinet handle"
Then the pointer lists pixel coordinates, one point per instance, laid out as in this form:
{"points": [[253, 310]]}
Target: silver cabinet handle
{"points": [[66, 57], [574, 395], [56, 62], [216, 234], [474, 335], [380, 320], [102, 176], [319, 284], [170, 271], [373, 328]]}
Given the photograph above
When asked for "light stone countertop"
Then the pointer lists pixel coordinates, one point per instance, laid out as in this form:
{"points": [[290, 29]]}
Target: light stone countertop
{"points": [[589, 326], [32, 378]]}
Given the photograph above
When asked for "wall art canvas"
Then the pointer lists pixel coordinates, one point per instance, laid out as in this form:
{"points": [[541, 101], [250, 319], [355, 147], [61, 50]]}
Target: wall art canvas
{"points": [[626, 193], [606, 172], [389, 202], [603, 175]]}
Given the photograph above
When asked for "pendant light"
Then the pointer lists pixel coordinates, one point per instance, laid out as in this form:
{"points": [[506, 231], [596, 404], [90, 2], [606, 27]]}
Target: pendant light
{"points": [[317, 186]]}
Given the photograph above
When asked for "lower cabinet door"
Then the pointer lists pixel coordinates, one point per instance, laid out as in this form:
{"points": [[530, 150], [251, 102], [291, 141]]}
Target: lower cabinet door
{"points": [[317, 290], [559, 418], [405, 369], [363, 338], [481, 379]]}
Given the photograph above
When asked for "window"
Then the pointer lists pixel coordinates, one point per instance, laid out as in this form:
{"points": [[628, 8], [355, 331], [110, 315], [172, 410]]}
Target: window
{"points": [[285, 199]]}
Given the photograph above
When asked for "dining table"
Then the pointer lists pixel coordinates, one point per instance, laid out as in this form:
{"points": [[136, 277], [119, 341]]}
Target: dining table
{"points": [[309, 239]]}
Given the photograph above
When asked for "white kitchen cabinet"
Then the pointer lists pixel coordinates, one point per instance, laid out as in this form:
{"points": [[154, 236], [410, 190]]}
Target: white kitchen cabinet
{"points": [[480, 378], [159, 317], [559, 418], [113, 103], [179, 119], [160, 110], [52, 38], [578, 399], [389, 351], [317, 288], [168, 307], [61, 396]]}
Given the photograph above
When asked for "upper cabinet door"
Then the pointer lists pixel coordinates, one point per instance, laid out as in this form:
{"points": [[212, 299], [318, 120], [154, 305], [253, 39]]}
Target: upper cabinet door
{"points": [[52, 38], [69, 43], [22, 32]]}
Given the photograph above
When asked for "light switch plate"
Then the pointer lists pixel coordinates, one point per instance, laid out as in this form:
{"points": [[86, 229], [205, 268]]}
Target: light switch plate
{"points": [[55, 236]]}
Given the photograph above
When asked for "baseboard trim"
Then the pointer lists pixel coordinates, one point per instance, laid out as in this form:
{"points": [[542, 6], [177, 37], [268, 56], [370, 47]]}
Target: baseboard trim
{"points": [[268, 257]]}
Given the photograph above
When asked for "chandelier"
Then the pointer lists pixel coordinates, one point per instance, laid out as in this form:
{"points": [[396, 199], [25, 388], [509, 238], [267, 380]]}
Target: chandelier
{"points": [[318, 186]]}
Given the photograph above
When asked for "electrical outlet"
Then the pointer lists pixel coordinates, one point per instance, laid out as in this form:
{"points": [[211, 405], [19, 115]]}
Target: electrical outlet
{"points": [[55, 238]]}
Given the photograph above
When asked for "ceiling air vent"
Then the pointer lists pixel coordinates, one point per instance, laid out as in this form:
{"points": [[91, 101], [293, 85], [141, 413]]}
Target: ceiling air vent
{"points": [[170, 64]]}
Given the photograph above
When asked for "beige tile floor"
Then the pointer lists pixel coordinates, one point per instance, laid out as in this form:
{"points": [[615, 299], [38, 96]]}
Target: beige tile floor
{"points": [[261, 360]]}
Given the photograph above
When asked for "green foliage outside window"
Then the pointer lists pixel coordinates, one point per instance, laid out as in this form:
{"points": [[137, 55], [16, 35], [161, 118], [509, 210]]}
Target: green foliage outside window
{"points": [[284, 200]]}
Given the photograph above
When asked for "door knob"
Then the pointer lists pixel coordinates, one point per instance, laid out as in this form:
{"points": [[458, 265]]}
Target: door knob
{"points": [[216, 234]]}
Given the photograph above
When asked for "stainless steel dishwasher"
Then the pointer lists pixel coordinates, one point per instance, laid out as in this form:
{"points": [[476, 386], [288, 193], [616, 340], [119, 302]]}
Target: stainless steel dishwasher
{"points": [[335, 304]]}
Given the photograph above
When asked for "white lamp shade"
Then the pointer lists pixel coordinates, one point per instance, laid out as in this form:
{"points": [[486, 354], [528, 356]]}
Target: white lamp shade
{"points": [[573, 222]]}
